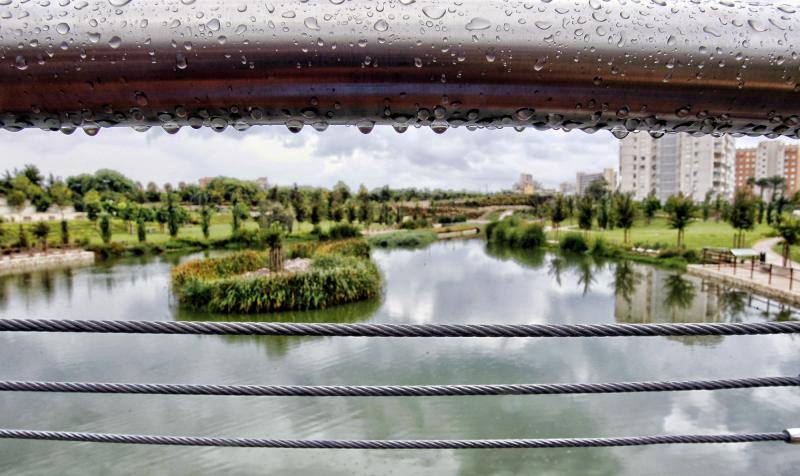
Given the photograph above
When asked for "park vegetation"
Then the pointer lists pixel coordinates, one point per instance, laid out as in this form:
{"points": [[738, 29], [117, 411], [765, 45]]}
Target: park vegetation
{"points": [[340, 272]]}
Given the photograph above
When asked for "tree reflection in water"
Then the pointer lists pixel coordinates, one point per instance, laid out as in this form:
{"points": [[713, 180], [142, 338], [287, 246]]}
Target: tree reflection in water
{"points": [[626, 279], [680, 292]]}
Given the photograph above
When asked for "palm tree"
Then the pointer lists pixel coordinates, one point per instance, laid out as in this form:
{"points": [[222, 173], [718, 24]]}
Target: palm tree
{"points": [[585, 213], [626, 214], [680, 209], [789, 230]]}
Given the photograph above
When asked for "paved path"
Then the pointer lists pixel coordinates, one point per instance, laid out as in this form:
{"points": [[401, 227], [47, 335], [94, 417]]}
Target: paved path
{"points": [[766, 246]]}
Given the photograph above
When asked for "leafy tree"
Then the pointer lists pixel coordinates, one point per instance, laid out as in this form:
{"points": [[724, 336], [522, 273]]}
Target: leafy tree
{"points": [[680, 209], [789, 230], [558, 212], [91, 203], [742, 216], [141, 228], [22, 238], [176, 215], [31, 172], [570, 205], [205, 220], [604, 218], [299, 204], [272, 237], [64, 232], [626, 214], [585, 212], [41, 231], [651, 205], [60, 195], [16, 200], [105, 228], [706, 206], [597, 189]]}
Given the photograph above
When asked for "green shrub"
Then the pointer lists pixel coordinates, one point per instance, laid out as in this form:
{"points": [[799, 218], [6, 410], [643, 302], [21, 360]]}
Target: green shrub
{"points": [[516, 233], [403, 239], [453, 219], [341, 231], [301, 250], [532, 236], [357, 248], [217, 284], [688, 255], [573, 243], [415, 224]]}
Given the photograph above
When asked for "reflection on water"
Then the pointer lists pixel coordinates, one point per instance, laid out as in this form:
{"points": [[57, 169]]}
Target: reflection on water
{"points": [[452, 282]]}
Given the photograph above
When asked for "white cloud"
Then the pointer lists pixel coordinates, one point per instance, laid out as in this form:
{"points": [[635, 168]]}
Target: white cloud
{"points": [[457, 159]]}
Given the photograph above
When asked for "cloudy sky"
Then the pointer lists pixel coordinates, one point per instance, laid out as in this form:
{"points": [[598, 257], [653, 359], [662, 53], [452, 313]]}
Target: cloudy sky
{"points": [[457, 159]]}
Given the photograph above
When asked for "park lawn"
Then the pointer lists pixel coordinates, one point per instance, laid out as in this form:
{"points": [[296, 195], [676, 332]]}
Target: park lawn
{"points": [[698, 235]]}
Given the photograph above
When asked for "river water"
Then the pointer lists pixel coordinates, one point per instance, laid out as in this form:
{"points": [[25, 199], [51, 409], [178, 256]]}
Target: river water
{"points": [[450, 282]]}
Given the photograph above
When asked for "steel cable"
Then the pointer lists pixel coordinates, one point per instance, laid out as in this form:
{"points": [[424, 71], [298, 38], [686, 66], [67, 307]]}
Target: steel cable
{"points": [[397, 390], [397, 330], [391, 444]]}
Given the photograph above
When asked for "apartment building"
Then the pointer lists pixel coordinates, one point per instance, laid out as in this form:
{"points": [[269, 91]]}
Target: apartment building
{"points": [[769, 159], [677, 163]]}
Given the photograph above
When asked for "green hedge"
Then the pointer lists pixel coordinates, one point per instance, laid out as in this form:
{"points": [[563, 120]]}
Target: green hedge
{"points": [[516, 233], [217, 284]]}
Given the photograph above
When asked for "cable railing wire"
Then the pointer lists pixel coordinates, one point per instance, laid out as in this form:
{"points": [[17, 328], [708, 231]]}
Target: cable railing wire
{"points": [[784, 436], [397, 330], [397, 390]]}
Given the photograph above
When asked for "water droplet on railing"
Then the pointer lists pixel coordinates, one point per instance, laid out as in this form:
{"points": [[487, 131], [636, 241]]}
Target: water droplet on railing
{"points": [[381, 25], [478, 23], [433, 12]]}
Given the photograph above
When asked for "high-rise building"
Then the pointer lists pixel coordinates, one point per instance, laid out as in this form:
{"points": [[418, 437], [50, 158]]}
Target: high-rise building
{"points": [[677, 163], [584, 179], [526, 185], [769, 159]]}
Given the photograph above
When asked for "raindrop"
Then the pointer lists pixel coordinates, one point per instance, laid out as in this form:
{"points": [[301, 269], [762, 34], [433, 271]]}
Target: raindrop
{"points": [[524, 114], [62, 28], [20, 63], [418, 62], [433, 12], [400, 128], [115, 42], [365, 126], [294, 126], [141, 98], [119, 3], [543, 25], [756, 25], [91, 130], [213, 24], [619, 133], [311, 23], [478, 23], [180, 61], [381, 25], [218, 124]]}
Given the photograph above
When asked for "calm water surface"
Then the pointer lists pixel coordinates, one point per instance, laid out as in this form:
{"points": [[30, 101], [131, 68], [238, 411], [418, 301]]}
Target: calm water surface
{"points": [[454, 282]]}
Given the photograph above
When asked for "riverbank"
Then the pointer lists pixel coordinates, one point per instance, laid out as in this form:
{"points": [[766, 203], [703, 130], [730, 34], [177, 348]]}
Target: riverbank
{"points": [[39, 260]]}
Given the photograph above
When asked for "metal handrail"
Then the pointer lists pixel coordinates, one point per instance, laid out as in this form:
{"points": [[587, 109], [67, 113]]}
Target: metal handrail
{"points": [[704, 66]]}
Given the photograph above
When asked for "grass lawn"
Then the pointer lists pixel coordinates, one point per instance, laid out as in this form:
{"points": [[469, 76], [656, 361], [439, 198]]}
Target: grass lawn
{"points": [[697, 235]]}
